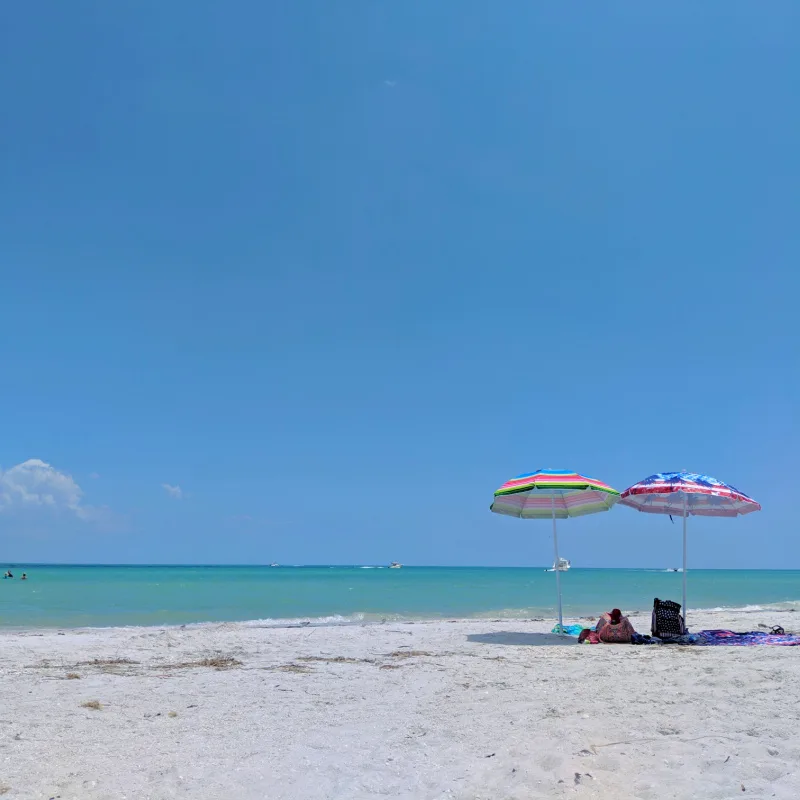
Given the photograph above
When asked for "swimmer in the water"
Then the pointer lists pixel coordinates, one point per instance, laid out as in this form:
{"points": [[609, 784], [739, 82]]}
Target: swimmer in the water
{"points": [[24, 577]]}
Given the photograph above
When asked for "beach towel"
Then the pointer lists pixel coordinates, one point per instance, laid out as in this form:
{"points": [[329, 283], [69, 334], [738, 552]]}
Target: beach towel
{"points": [[569, 630], [748, 639], [639, 638]]}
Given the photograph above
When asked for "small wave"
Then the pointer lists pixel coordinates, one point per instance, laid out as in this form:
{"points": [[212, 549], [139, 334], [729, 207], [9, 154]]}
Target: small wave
{"points": [[530, 613], [785, 605], [333, 620]]}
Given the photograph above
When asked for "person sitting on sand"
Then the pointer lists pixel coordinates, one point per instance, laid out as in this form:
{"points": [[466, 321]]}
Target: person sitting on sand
{"points": [[614, 628]]}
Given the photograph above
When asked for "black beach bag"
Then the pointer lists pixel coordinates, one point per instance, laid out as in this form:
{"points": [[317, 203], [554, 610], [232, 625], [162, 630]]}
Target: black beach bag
{"points": [[667, 620]]}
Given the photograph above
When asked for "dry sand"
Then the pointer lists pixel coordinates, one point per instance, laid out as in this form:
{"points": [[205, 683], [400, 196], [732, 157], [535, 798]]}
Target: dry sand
{"points": [[468, 709]]}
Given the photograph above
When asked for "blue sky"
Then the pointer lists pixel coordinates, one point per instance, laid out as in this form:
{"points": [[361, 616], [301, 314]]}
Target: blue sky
{"points": [[333, 272]]}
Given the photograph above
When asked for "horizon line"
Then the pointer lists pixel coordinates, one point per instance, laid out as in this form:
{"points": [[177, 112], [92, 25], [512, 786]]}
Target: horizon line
{"points": [[16, 565]]}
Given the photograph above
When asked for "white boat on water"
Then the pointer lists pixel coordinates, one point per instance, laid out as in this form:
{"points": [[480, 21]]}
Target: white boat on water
{"points": [[274, 565], [562, 565], [395, 565]]}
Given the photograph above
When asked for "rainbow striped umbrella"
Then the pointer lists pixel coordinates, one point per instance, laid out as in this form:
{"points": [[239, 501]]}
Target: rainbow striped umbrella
{"points": [[553, 494], [685, 493]]}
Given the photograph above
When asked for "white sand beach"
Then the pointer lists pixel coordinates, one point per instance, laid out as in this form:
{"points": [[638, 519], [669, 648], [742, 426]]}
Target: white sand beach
{"points": [[465, 709]]}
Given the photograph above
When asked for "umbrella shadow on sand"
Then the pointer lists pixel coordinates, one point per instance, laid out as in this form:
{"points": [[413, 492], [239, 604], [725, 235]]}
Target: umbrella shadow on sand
{"points": [[524, 639]]}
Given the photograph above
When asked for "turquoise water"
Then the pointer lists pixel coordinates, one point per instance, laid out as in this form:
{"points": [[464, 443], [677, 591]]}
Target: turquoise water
{"points": [[77, 596]]}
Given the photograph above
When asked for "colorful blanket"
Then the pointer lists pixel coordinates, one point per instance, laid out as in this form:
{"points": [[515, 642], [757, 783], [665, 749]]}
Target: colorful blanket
{"points": [[708, 638], [732, 639]]}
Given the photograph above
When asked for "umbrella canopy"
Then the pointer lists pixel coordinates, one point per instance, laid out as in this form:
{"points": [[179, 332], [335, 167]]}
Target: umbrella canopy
{"points": [[553, 494], [550, 493], [683, 494], [699, 495]]}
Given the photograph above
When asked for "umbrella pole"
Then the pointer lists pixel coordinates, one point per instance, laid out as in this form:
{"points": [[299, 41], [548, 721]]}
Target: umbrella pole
{"points": [[558, 571], [685, 513]]}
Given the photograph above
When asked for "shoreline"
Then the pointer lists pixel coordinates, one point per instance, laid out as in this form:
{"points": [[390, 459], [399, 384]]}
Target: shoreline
{"points": [[359, 620]]}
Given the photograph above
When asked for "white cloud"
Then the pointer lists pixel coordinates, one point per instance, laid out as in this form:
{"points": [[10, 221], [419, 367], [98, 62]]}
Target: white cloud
{"points": [[36, 484], [173, 491], [390, 84], [94, 475]]}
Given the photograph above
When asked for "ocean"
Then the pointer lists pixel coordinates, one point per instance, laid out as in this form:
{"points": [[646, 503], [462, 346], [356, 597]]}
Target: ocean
{"points": [[89, 596]]}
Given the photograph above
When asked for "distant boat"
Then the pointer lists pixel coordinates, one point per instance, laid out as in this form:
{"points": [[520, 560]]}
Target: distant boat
{"points": [[562, 565], [274, 565], [675, 569], [395, 565]]}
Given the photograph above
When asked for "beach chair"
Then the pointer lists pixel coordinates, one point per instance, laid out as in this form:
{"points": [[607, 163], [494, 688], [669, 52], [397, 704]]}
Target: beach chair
{"points": [[667, 621]]}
